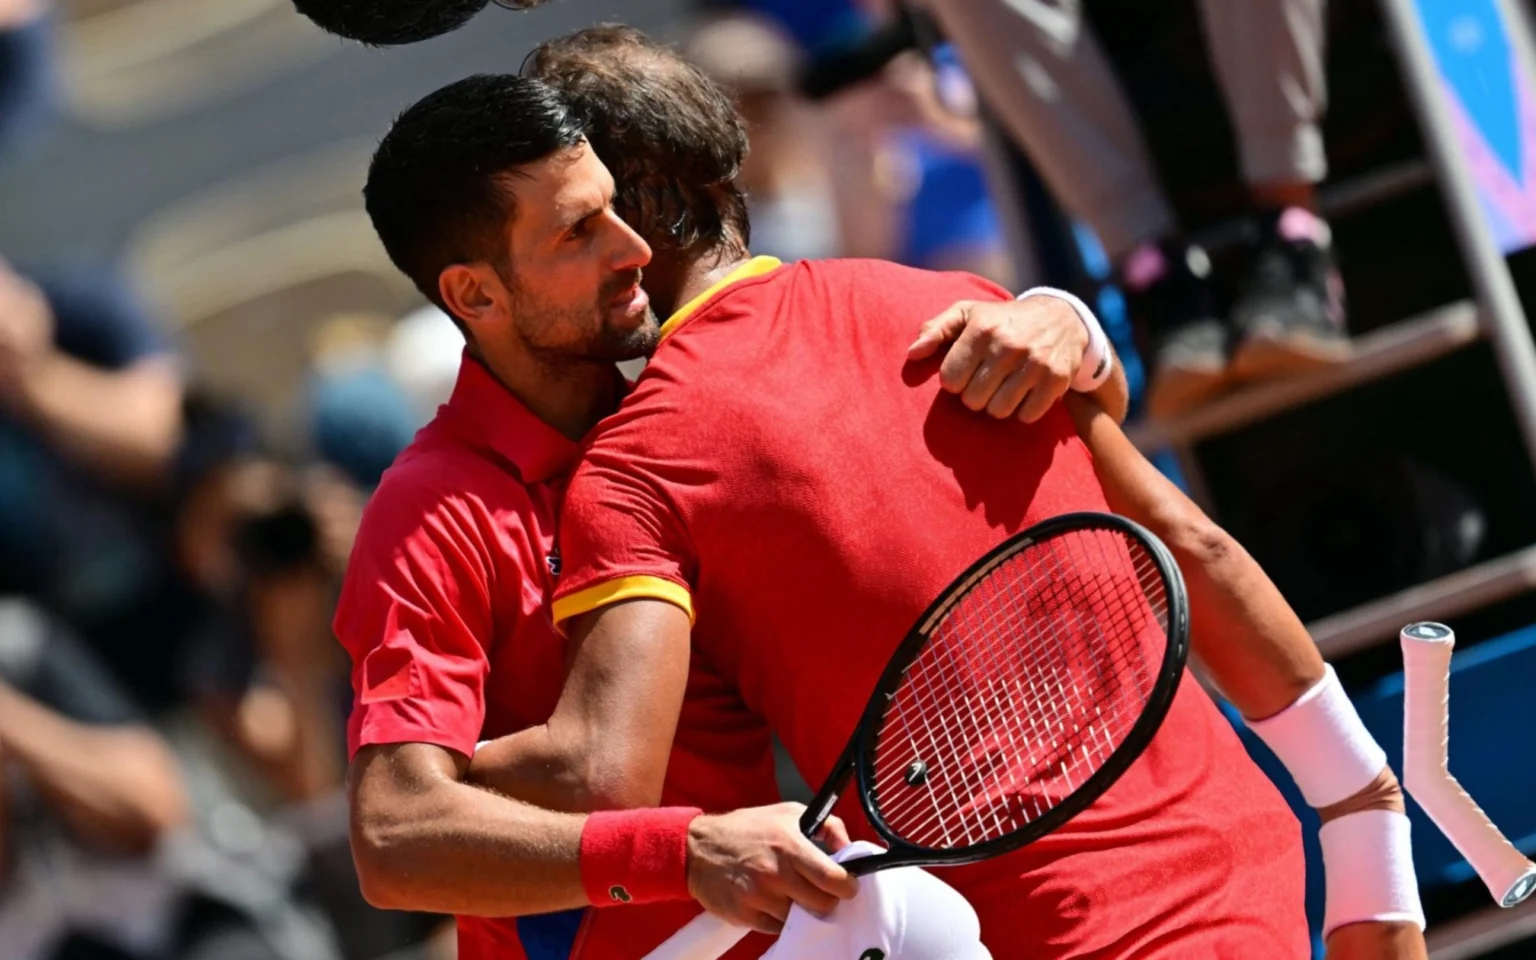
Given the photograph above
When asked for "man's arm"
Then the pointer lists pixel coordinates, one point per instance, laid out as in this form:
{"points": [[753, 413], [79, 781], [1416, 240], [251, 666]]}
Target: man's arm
{"points": [[118, 787], [415, 614], [425, 840], [125, 423], [607, 743], [1246, 636]]}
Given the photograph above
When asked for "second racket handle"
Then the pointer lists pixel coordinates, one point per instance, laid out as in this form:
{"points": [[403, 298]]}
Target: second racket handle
{"points": [[1426, 767], [706, 937]]}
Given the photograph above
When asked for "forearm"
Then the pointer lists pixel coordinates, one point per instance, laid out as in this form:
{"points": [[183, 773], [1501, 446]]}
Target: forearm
{"points": [[1113, 396], [607, 745], [1259, 653], [119, 787], [533, 766], [454, 848], [1246, 636], [124, 423]]}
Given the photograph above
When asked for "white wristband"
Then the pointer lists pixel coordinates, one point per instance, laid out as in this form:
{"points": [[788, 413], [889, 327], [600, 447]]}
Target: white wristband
{"points": [[1368, 868], [1098, 359], [1323, 744]]}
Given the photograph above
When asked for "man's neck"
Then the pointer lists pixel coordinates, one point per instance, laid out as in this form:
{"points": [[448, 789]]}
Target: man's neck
{"points": [[571, 396], [693, 274]]}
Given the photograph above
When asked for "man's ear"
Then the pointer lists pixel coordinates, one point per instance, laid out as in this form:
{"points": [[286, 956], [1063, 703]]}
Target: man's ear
{"points": [[473, 292]]}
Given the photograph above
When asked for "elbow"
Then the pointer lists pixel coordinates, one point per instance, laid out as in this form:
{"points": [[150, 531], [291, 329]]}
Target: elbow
{"points": [[622, 783], [376, 855], [385, 834], [622, 793], [378, 891], [1194, 537], [598, 771]]}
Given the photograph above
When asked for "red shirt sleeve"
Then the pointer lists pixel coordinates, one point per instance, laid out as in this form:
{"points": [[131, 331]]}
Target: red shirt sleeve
{"points": [[622, 533], [415, 617]]}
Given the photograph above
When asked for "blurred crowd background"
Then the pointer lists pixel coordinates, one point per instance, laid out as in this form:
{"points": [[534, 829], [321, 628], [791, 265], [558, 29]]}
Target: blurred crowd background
{"points": [[206, 362]]}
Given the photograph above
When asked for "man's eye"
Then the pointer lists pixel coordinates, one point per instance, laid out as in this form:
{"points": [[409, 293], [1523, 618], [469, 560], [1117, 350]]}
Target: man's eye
{"points": [[580, 231]]}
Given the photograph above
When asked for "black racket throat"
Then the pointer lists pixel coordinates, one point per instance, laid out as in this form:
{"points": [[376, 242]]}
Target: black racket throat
{"points": [[1078, 568]]}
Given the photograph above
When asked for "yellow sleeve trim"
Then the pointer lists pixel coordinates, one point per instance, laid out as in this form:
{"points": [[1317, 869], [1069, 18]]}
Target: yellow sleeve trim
{"points": [[622, 588]]}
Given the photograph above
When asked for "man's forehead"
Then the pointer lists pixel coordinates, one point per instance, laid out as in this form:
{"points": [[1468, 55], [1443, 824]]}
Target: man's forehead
{"points": [[570, 181]]}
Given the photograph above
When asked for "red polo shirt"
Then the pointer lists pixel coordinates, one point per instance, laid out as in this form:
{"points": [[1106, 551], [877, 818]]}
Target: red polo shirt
{"points": [[783, 474], [444, 613]]}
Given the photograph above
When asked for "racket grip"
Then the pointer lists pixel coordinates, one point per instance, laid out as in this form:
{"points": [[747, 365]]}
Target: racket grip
{"points": [[706, 937], [1427, 647]]}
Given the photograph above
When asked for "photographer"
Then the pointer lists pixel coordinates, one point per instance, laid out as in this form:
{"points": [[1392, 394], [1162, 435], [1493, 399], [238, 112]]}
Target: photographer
{"points": [[261, 542]]}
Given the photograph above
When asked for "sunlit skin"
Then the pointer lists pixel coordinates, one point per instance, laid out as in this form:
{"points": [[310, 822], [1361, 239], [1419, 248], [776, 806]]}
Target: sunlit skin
{"points": [[567, 303]]}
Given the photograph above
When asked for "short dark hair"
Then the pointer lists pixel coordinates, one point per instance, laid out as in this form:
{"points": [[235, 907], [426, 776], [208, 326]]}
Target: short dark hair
{"points": [[384, 23], [669, 134], [437, 191]]}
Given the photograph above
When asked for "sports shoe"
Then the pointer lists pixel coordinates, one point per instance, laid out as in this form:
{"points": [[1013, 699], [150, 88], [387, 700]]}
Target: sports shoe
{"points": [[1168, 295], [1289, 316]]}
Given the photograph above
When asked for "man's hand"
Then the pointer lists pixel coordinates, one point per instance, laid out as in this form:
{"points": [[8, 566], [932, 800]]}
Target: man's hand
{"points": [[749, 866], [1010, 357], [26, 331]]}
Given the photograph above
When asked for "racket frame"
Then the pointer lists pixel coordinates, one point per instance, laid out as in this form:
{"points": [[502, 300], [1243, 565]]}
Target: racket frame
{"points": [[858, 756]]}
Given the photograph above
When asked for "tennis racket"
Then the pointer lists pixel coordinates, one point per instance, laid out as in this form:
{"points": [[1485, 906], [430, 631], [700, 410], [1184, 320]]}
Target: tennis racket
{"points": [[1014, 702]]}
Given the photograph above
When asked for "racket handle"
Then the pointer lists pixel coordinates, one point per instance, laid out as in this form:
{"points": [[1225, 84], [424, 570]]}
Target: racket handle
{"points": [[1510, 877], [706, 937]]}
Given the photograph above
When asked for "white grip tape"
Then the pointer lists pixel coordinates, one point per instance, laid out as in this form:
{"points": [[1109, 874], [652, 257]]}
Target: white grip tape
{"points": [[1323, 743], [1427, 777], [1368, 865], [705, 937], [1098, 359]]}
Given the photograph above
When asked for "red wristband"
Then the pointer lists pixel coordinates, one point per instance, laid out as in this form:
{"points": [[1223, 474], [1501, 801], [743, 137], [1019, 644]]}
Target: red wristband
{"points": [[636, 856]]}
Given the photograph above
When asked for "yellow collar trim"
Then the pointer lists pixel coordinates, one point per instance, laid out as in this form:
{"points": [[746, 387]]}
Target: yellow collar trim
{"points": [[755, 267]]}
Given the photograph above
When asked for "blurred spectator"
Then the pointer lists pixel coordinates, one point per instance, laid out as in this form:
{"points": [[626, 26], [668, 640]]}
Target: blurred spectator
{"points": [[374, 384], [896, 162], [359, 417], [816, 25], [422, 355], [258, 547], [908, 175], [90, 417], [24, 67], [90, 801], [1051, 85], [792, 201], [77, 742], [190, 568]]}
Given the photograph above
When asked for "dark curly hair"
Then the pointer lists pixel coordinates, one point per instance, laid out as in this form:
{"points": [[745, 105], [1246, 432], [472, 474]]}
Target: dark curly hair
{"points": [[672, 138]]}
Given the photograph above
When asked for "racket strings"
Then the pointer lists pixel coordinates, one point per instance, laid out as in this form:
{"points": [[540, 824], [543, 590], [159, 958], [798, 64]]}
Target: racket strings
{"points": [[1028, 684], [1047, 731]]}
